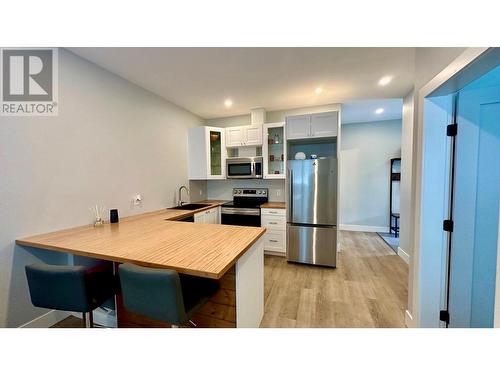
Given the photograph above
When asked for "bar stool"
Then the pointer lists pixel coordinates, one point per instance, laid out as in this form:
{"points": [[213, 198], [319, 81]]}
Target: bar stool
{"points": [[163, 294], [70, 288]]}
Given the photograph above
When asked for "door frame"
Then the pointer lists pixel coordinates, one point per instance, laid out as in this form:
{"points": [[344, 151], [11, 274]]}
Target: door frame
{"points": [[427, 296]]}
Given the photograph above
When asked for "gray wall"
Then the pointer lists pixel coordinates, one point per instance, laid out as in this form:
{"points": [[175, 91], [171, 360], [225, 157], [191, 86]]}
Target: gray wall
{"points": [[366, 152], [111, 140]]}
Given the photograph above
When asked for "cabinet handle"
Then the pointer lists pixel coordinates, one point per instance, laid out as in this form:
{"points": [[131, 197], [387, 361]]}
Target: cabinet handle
{"points": [[273, 241], [273, 212], [273, 222]]}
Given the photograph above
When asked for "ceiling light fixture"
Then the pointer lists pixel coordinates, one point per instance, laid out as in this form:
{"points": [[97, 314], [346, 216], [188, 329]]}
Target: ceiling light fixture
{"points": [[228, 103], [385, 80], [318, 90], [378, 111]]}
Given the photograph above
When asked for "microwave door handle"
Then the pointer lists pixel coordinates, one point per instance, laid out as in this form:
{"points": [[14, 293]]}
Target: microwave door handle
{"points": [[252, 169]]}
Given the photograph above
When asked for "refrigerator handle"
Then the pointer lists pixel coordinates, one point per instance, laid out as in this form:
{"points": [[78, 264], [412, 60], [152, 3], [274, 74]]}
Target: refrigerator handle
{"points": [[290, 194]]}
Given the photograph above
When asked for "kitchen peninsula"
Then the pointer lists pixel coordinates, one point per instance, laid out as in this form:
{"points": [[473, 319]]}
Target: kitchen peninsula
{"points": [[233, 255]]}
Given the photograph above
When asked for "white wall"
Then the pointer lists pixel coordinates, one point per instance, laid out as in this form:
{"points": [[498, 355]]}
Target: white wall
{"points": [[406, 191], [111, 140], [366, 152]]}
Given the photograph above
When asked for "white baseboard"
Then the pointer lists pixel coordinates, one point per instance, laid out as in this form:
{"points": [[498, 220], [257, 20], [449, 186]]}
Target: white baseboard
{"points": [[409, 320], [363, 228], [404, 255], [47, 320]]}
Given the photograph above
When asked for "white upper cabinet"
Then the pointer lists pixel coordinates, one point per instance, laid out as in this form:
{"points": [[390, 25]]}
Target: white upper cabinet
{"points": [[324, 124], [298, 127], [253, 135], [234, 136], [238, 136], [318, 125], [206, 153]]}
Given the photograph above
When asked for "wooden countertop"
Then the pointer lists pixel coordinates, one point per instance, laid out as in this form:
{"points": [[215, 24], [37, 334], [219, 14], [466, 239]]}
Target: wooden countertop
{"points": [[280, 205], [153, 240]]}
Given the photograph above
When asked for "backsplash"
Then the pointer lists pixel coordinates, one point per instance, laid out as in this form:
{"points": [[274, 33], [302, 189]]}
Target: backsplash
{"points": [[223, 189]]}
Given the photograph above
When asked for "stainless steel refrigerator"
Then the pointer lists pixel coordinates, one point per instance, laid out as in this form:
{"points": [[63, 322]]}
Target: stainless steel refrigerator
{"points": [[311, 199]]}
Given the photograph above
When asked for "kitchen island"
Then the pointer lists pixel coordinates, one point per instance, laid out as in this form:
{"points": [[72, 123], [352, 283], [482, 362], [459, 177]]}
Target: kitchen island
{"points": [[233, 255]]}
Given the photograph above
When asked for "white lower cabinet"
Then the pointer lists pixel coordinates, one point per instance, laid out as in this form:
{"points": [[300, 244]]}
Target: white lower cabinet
{"points": [[210, 216], [273, 219]]}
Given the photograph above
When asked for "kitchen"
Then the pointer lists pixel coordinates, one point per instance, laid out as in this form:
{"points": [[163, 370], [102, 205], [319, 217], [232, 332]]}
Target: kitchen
{"points": [[275, 170], [206, 166]]}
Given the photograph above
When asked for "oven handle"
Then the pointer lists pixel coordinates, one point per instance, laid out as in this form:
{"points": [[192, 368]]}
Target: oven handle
{"points": [[239, 211]]}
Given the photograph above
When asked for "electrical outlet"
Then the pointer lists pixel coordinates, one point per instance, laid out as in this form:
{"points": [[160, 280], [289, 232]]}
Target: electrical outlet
{"points": [[137, 200]]}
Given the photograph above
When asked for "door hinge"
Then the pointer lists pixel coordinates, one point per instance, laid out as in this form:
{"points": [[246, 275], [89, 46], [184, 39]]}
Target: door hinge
{"points": [[451, 130], [448, 225], [444, 316]]}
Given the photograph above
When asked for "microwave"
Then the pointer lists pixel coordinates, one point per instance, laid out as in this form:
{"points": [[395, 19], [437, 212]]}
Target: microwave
{"points": [[246, 167]]}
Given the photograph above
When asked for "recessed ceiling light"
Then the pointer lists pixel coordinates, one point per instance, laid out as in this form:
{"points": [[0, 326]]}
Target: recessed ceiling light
{"points": [[318, 90], [385, 80], [378, 111], [228, 103]]}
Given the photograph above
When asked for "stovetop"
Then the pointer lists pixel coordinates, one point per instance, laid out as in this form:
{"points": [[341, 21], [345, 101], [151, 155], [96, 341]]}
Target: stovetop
{"points": [[248, 198]]}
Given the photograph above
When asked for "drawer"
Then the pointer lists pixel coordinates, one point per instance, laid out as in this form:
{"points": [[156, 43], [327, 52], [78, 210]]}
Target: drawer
{"points": [[273, 211], [274, 222], [275, 241]]}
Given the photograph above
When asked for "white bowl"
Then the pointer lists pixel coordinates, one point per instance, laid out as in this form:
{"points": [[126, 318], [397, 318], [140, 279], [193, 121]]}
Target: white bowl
{"points": [[300, 156]]}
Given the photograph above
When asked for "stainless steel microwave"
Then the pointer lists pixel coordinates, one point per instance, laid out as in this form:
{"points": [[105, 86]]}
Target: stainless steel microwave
{"points": [[246, 167]]}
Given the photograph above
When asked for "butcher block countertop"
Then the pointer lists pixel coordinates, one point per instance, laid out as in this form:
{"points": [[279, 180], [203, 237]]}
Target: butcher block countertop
{"points": [[280, 205], [154, 240]]}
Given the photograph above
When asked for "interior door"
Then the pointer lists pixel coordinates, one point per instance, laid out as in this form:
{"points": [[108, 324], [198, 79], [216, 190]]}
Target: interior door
{"points": [[476, 204]]}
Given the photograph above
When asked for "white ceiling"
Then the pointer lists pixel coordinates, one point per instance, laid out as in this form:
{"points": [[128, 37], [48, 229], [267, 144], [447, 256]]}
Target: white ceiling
{"points": [[364, 110], [200, 79]]}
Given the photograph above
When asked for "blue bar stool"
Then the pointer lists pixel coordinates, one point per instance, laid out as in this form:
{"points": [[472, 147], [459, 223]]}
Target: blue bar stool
{"points": [[163, 294], [70, 288]]}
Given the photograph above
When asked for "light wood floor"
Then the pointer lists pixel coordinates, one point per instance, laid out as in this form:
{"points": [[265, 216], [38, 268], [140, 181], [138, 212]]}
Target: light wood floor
{"points": [[367, 289]]}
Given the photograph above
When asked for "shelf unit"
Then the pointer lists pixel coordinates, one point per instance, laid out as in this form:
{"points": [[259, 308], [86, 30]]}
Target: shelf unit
{"points": [[394, 177]]}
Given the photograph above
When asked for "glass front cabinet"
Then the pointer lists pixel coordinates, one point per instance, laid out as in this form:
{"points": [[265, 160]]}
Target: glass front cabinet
{"points": [[274, 150], [207, 153]]}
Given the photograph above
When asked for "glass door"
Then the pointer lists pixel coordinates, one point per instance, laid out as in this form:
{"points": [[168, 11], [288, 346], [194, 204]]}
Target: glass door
{"points": [[215, 152], [274, 152]]}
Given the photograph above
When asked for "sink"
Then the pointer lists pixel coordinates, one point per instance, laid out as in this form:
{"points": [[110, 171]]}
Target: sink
{"points": [[190, 206]]}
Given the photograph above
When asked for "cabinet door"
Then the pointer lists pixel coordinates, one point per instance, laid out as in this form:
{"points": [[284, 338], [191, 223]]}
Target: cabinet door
{"points": [[324, 124], [235, 136], [274, 151], [298, 127], [253, 135], [215, 158], [199, 218]]}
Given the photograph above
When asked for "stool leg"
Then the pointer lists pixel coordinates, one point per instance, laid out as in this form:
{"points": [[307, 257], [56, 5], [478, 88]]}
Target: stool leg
{"points": [[84, 316], [91, 319]]}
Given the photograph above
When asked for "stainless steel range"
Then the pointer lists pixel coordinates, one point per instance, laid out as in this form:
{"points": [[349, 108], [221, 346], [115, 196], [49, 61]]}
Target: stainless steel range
{"points": [[245, 208]]}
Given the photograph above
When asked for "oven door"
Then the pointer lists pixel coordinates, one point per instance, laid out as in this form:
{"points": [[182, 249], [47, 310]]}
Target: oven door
{"points": [[248, 217]]}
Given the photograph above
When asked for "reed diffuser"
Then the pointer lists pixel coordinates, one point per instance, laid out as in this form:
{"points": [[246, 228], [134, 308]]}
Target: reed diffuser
{"points": [[98, 211]]}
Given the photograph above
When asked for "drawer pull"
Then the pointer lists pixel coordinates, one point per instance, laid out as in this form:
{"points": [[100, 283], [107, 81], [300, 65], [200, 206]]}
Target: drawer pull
{"points": [[273, 222], [273, 212], [273, 241]]}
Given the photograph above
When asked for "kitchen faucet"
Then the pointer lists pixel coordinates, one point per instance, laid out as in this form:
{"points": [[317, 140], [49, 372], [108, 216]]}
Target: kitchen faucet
{"points": [[180, 203]]}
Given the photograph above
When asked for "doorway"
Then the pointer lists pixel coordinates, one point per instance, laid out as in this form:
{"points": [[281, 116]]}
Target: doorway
{"points": [[460, 203]]}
